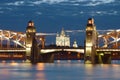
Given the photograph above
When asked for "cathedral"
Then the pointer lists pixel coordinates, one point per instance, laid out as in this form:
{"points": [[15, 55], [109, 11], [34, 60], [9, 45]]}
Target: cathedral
{"points": [[62, 39]]}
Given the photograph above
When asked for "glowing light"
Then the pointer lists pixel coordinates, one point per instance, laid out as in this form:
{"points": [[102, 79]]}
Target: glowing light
{"points": [[108, 33], [101, 54], [62, 39], [100, 35], [89, 28], [9, 50], [58, 61], [18, 56], [49, 50], [39, 34], [75, 50], [78, 55], [40, 66], [91, 21], [30, 24], [88, 51], [117, 30], [4, 55], [13, 63], [28, 49], [89, 44], [29, 45]]}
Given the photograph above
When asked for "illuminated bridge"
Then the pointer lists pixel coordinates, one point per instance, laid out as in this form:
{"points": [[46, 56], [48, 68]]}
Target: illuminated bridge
{"points": [[99, 46], [19, 45]]}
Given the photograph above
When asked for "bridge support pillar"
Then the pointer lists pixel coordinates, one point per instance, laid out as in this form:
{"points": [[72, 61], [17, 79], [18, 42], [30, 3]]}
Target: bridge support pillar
{"points": [[35, 52], [90, 42], [32, 53], [28, 52], [47, 58], [104, 58]]}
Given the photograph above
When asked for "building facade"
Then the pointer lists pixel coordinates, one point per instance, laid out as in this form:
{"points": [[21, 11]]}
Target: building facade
{"points": [[62, 39], [75, 44]]}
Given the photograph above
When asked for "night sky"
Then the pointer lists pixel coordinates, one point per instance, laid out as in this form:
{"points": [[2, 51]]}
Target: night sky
{"points": [[50, 16]]}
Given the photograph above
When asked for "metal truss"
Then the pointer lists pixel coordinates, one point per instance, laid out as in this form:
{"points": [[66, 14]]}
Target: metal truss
{"points": [[12, 38], [110, 39], [17, 39]]}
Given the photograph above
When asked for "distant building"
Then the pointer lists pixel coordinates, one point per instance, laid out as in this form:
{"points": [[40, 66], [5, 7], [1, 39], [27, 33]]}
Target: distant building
{"points": [[75, 44], [62, 39]]}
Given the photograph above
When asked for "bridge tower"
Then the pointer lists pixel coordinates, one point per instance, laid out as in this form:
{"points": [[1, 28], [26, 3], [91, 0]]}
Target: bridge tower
{"points": [[90, 42], [31, 43]]}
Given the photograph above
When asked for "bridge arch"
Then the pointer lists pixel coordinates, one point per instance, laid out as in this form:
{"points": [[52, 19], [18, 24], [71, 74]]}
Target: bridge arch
{"points": [[110, 39], [12, 38]]}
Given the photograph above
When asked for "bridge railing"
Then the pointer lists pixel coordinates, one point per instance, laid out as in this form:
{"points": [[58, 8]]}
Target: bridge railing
{"points": [[107, 49]]}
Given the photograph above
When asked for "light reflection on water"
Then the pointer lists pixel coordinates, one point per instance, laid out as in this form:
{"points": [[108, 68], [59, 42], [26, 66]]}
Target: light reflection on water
{"points": [[60, 70]]}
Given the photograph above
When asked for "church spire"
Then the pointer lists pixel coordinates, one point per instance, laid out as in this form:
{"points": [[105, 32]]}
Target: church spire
{"points": [[62, 32]]}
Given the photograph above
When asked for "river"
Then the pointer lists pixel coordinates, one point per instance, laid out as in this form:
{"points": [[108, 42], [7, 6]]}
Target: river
{"points": [[59, 70]]}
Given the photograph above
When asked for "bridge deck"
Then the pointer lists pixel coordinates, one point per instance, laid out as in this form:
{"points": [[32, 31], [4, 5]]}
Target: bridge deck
{"points": [[12, 50], [106, 49], [60, 49]]}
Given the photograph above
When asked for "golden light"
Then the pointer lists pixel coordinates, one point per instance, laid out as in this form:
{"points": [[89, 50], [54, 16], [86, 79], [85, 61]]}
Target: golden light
{"points": [[78, 55], [58, 61], [13, 63], [4, 55], [89, 44], [101, 54], [18, 56], [40, 66], [41, 39], [29, 45], [89, 28], [30, 24], [88, 50], [90, 22]]}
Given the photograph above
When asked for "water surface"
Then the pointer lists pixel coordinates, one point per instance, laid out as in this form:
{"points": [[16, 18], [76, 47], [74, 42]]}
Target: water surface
{"points": [[60, 70]]}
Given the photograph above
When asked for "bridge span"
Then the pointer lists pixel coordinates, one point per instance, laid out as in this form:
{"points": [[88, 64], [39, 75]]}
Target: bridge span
{"points": [[98, 47], [43, 51], [46, 50], [20, 53], [107, 49]]}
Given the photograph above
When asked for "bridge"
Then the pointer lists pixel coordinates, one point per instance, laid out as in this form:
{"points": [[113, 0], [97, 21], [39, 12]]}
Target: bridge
{"points": [[98, 47]]}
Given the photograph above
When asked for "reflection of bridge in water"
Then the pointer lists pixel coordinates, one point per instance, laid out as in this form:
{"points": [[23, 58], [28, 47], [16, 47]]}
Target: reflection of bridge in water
{"points": [[98, 47]]}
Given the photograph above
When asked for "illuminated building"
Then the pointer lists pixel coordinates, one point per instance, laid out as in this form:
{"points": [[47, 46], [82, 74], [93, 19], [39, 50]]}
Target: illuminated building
{"points": [[62, 39], [75, 44]]}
